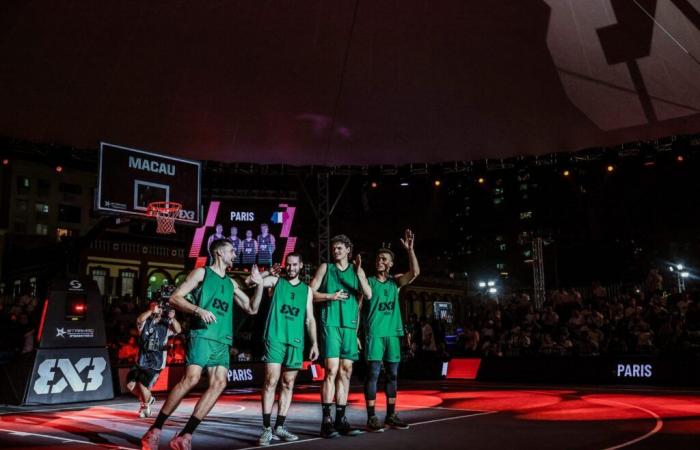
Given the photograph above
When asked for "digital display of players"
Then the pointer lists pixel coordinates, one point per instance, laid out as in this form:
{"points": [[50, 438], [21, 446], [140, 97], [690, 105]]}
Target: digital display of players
{"points": [[260, 232]]}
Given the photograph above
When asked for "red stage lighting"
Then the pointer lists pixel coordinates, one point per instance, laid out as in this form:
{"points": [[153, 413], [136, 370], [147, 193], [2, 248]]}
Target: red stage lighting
{"points": [[59, 169], [374, 185], [5, 162], [679, 158], [76, 307]]}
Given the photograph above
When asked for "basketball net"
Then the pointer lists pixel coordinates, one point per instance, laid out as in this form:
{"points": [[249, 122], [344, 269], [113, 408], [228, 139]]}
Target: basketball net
{"points": [[165, 214]]}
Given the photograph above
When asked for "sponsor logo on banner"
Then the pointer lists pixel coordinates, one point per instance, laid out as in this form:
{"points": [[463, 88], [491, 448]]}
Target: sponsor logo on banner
{"points": [[55, 375], [75, 285], [75, 333]]}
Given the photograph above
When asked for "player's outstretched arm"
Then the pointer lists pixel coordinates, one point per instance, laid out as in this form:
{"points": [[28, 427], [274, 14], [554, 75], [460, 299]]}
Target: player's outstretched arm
{"points": [[179, 302], [362, 277], [242, 300], [316, 284], [413, 267], [311, 326]]}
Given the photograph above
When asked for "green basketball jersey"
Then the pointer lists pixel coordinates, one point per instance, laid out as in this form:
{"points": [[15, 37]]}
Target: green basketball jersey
{"points": [[214, 294], [340, 313], [381, 312], [285, 321]]}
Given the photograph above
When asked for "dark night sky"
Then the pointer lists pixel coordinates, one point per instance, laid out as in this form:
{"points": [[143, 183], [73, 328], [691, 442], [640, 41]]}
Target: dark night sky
{"points": [[424, 81]]}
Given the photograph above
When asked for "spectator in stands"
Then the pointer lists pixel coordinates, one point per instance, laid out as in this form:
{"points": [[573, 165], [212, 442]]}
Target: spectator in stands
{"points": [[427, 336]]}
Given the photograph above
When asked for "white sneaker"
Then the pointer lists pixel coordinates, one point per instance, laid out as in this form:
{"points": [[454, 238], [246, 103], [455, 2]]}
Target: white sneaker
{"points": [[265, 436], [145, 410], [282, 433]]}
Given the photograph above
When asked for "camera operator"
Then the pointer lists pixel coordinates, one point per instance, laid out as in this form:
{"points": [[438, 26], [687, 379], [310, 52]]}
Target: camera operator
{"points": [[155, 326]]}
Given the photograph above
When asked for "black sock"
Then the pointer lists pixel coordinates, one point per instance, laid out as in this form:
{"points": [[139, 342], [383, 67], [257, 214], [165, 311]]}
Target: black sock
{"points": [[279, 422], [326, 409], [160, 421], [390, 408], [339, 413], [266, 420], [370, 411], [190, 426]]}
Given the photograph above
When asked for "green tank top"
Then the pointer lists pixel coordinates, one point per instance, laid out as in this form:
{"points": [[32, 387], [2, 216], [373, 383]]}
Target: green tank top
{"points": [[340, 313], [215, 294], [285, 321], [382, 313]]}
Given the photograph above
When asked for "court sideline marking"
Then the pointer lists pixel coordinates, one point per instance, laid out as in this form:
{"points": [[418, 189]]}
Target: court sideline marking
{"points": [[412, 424], [656, 429]]}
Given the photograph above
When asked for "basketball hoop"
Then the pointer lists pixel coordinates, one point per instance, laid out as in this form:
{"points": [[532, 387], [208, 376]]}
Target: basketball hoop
{"points": [[165, 214]]}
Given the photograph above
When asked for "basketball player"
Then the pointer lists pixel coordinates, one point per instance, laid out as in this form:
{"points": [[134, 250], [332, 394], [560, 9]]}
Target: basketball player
{"points": [[338, 288], [218, 234], [383, 331], [291, 309], [266, 246], [236, 242], [210, 340], [249, 248]]}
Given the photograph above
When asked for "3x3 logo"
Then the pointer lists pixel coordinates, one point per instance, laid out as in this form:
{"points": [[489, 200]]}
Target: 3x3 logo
{"points": [[290, 310], [387, 306], [49, 382], [220, 305]]}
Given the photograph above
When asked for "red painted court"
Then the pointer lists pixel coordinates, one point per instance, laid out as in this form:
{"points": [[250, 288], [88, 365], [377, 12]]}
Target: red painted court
{"points": [[443, 415]]}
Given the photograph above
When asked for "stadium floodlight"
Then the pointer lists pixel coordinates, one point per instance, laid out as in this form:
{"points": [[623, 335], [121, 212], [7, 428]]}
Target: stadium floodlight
{"points": [[493, 290], [482, 284], [491, 283], [685, 274]]}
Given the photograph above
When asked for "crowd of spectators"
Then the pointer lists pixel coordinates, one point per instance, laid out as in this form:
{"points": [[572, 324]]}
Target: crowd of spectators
{"points": [[19, 322], [640, 320]]}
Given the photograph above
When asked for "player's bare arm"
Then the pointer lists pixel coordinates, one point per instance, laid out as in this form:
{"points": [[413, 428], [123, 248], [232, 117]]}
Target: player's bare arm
{"points": [[242, 300], [310, 323], [179, 302], [413, 267], [316, 284]]}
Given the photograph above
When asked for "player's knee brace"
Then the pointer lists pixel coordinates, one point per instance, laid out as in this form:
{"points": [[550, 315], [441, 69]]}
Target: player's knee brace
{"points": [[373, 369], [392, 375]]}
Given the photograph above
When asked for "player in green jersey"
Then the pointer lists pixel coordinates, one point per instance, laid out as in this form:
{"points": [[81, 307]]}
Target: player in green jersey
{"points": [[339, 287], [383, 331], [211, 335], [291, 310]]}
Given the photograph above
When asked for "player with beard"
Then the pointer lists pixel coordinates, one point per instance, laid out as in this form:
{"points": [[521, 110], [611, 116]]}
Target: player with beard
{"points": [[291, 310], [339, 287], [211, 336], [383, 331]]}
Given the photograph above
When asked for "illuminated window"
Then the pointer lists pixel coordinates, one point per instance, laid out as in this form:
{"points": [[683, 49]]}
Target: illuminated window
{"points": [[500, 266], [23, 185], [127, 278], [99, 274], [526, 215], [502, 247], [42, 229], [63, 233], [42, 208]]}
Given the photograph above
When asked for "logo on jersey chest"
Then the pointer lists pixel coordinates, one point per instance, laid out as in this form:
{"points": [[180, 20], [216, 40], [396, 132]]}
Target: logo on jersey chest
{"points": [[289, 310], [220, 305], [388, 306]]}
